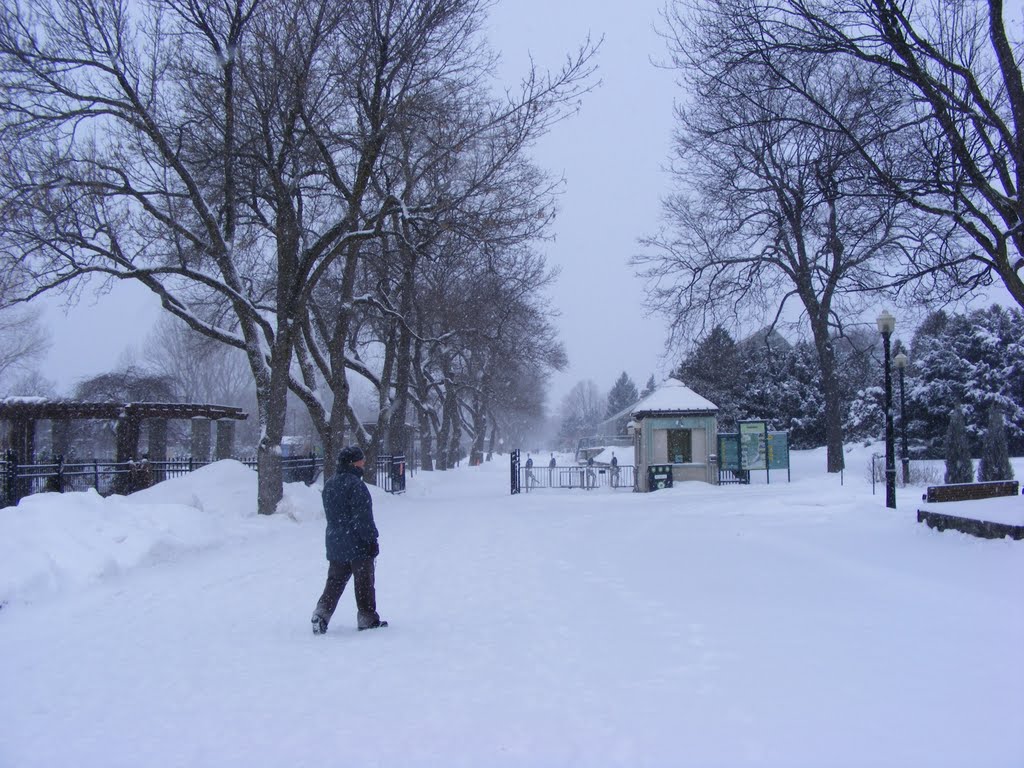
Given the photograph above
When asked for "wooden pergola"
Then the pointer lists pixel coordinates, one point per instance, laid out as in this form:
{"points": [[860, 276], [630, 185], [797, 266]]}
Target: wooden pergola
{"points": [[22, 413]]}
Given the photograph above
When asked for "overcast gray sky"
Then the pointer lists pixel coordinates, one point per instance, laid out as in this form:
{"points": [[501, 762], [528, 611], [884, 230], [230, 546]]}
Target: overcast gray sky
{"points": [[610, 154]]}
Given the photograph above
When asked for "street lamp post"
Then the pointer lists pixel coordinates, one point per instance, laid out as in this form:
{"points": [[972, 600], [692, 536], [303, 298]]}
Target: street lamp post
{"points": [[886, 325], [900, 361]]}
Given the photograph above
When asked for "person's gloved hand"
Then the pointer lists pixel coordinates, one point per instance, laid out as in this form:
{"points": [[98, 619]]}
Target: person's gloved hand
{"points": [[374, 548]]}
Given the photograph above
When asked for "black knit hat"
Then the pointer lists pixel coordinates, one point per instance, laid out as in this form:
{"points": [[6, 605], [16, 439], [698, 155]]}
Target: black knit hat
{"points": [[350, 455]]}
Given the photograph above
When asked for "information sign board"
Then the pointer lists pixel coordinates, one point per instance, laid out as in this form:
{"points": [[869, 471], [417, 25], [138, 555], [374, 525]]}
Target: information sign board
{"points": [[778, 450], [754, 445]]}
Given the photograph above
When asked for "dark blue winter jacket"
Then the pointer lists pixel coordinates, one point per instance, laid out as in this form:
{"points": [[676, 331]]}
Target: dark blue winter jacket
{"points": [[351, 532]]}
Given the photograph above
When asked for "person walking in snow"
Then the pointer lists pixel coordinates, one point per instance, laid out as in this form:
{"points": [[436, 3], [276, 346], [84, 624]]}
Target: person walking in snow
{"points": [[351, 543], [530, 481], [615, 471]]}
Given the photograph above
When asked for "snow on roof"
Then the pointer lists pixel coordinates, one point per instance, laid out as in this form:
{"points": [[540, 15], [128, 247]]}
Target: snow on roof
{"points": [[673, 395]]}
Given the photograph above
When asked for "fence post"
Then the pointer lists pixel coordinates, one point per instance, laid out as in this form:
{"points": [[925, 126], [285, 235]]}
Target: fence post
{"points": [[384, 472], [11, 479], [514, 466], [96, 475], [60, 473]]}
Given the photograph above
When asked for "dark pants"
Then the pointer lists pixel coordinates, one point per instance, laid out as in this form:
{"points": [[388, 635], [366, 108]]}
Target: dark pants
{"points": [[366, 597]]}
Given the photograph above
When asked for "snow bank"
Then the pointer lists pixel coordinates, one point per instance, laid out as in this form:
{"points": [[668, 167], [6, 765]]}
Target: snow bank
{"points": [[53, 542]]}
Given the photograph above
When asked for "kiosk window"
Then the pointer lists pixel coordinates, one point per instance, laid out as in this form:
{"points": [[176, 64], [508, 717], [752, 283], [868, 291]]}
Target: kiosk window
{"points": [[680, 446]]}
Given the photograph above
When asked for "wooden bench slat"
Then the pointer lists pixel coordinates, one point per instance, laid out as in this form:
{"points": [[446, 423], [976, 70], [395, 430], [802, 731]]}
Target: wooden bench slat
{"points": [[971, 491], [984, 529]]}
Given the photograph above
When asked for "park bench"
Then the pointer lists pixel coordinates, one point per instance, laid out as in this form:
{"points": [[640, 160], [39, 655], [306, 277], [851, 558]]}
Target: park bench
{"points": [[970, 491], [987, 529]]}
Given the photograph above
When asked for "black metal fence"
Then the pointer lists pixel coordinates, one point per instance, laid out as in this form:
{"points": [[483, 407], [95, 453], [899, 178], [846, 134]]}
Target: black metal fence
{"points": [[733, 476], [20, 480], [590, 478], [391, 473]]}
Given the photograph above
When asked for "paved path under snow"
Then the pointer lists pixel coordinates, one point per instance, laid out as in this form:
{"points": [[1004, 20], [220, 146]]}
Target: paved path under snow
{"points": [[696, 627]]}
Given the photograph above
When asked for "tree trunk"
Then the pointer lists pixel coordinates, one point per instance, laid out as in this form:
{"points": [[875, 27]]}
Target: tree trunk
{"points": [[426, 444], [443, 437], [425, 421], [268, 460], [340, 390], [832, 396], [398, 430], [492, 441], [452, 406], [476, 453]]}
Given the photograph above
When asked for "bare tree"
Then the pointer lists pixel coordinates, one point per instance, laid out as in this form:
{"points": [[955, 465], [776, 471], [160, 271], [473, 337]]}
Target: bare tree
{"points": [[454, 170], [220, 154], [582, 410], [947, 78], [25, 341], [202, 369], [773, 207], [163, 143]]}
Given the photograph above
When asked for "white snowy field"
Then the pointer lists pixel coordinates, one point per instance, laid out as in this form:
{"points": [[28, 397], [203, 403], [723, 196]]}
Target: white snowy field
{"points": [[790, 624]]}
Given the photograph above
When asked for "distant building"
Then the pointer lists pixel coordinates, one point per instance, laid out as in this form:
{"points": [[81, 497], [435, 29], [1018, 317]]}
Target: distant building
{"points": [[675, 426]]}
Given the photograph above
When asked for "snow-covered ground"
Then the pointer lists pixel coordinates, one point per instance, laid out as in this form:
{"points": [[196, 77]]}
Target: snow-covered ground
{"points": [[790, 624]]}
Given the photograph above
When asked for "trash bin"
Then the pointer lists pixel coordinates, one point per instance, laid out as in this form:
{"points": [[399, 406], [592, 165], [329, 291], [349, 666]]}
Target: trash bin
{"points": [[659, 476], [398, 474]]}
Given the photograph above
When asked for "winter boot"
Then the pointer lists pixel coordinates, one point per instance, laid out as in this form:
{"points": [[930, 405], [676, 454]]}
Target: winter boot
{"points": [[371, 624], [319, 624]]}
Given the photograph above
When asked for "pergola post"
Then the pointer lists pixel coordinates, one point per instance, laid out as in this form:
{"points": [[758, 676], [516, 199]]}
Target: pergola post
{"points": [[157, 439], [225, 439], [126, 435], [200, 439], [60, 437], [158, 447], [23, 440]]}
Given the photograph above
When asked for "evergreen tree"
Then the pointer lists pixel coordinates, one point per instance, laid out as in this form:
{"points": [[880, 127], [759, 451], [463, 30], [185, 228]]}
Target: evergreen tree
{"points": [[715, 370], [995, 457], [766, 370], [959, 468], [865, 418], [797, 402], [976, 360], [623, 394], [940, 377], [649, 387], [997, 371]]}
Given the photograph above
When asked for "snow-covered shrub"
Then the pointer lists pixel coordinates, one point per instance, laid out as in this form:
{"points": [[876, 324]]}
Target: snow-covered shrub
{"points": [[995, 457], [959, 467]]}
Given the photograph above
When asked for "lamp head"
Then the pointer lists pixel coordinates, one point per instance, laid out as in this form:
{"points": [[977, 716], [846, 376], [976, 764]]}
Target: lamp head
{"points": [[886, 323], [900, 361]]}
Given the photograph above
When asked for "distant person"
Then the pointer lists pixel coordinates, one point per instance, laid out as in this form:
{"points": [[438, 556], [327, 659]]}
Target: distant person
{"points": [[615, 471], [529, 472], [551, 464], [591, 477], [551, 471], [351, 543]]}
